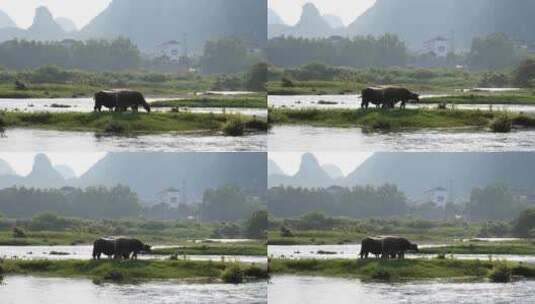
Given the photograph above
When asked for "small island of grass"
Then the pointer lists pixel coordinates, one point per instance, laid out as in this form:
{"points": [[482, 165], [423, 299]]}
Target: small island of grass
{"points": [[215, 249], [137, 270], [381, 120], [131, 123], [257, 101]]}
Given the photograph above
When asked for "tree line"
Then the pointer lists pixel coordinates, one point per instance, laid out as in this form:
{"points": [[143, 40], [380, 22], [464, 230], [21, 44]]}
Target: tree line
{"points": [[492, 202], [491, 52], [227, 204]]}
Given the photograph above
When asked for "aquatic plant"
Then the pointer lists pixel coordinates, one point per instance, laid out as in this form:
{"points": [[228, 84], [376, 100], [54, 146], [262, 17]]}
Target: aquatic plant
{"points": [[501, 273], [234, 127], [502, 124], [233, 274]]}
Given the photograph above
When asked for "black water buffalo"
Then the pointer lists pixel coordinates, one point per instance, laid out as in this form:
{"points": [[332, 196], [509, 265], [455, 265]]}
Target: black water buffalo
{"points": [[371, 245], [120, 100], [119, 248], [372, 95], [125, 247], [103, 246], [393, 95], [396, 246]]}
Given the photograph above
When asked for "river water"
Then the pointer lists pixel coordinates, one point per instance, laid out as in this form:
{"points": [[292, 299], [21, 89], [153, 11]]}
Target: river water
{"points": [[27, 289], [316, 290], [302, 138], [351, 251], [84, 252], [19, 139], [86, 105]]}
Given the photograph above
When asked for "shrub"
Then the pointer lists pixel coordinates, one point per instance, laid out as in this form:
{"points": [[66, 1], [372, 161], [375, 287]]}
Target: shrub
{"points": [[285, 232], [256, 124], [115, 127], [233, 274], [501, 273], [256, 272], [114, 276], [287, 82], [50, 222], [18, 233], [524, 121], [234, 127], [502, 124]]}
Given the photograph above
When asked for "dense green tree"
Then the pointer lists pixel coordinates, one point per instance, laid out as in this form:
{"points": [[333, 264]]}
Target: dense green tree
{"points": [[524, 225], [525, 73], [227, 203], [493, 202], [257, 224], [257, 77], [492, 52], [228, 55]]}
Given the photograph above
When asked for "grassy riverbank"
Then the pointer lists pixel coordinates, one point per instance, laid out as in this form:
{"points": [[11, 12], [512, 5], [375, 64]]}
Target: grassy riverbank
{"points": [[257, 249], [515, 247], [523, 97], [257, 101], [130, 123], [136, 270], [396, 270], [381, 120]]}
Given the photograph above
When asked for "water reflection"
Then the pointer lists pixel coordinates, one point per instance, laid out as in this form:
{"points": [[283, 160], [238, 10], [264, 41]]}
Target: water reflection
{"points": [[291, 138], [16, 140], [25, 289], [312, 290]]}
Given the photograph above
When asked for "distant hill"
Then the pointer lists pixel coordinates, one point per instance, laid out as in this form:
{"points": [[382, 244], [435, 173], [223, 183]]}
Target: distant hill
{"points": [[66, 24], [152, 22], [311, 24], [309, 175], [5, 168], [149, 173], [273, 17], [43, 28], [416, 21], [273, 168], [6, 21], [414, 173], [334, 21], [65, 171], [333, 171]]}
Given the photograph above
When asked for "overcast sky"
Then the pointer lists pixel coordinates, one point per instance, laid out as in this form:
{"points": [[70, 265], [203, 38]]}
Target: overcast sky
{"points": [[79, 11], [80, 162], [347, 162], [348, 10]]}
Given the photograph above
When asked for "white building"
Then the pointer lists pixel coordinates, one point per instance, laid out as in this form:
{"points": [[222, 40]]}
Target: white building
{"points": [[170, 49], [439, 46], [170, 196], [438, 195]]}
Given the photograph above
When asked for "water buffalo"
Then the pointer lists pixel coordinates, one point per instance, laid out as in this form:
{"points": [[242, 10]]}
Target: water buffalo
{"points": [[370, 245], [372, 95], [120, 100], [103, 246], [393, 95], [119, 248], [124, 247], [396, 246]]}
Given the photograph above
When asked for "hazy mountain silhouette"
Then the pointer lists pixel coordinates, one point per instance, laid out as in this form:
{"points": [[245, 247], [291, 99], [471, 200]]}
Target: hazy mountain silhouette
{"points": [[65, 171], [273, 168], [334, 21], [149, 173], [200, 20], [66, 24], [416, 21], [6, 21], [414, 173], [274, 18], [5, 168], [333, 171], [310, 174], [310, 25], [43, 28]]}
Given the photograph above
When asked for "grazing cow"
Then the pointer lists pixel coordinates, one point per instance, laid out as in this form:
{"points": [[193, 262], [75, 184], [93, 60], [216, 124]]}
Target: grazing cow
{"points": [[370, 245], [120, 100], [103, 246], [125, 247], [372, 95], [119, 248], [396, 246], [393, 95]]}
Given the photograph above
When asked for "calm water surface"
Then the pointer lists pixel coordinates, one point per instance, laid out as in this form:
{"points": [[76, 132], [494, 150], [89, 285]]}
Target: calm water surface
{"points": [[27, 289]]}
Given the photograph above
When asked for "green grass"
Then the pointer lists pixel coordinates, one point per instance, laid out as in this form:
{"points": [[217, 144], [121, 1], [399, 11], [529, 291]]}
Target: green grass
{"points": [[241, 101], [377, 119], [215, 249], [120, 123], [499, 98], [394, 270], [516, 247], [127, 271]]}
